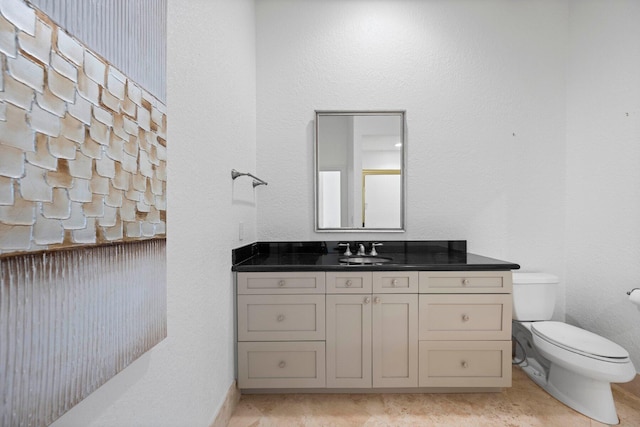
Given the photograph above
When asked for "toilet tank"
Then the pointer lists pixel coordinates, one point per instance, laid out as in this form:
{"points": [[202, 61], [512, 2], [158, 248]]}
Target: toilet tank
{"points": [[534, 296]]}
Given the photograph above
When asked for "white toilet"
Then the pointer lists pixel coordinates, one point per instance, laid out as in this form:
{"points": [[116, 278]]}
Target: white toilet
{"points": [[575, 366]]}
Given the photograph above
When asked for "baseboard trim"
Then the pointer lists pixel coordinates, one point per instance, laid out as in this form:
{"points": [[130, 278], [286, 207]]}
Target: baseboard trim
{"points": [[632, 386], [228, 406]]}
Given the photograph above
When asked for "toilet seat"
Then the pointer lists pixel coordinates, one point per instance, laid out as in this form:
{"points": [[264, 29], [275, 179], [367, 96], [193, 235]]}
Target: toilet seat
{"points": [[579, 341]]}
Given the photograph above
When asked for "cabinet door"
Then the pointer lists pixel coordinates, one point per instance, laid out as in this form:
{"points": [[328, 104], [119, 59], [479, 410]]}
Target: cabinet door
{"points": [[348, 341], [395, 340]]}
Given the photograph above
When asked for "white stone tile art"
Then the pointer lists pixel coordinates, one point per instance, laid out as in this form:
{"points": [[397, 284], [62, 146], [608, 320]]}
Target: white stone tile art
{"points": [[39, 45], [78, 140], [11, 162], [20, 15], [28, 72], [7, 38]]}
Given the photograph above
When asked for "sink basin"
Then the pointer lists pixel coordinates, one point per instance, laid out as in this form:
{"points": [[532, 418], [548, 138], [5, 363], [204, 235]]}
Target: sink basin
{"points": [[364, 260]]}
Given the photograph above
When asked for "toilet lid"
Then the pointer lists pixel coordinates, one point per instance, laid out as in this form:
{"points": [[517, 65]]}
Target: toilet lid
{"points": [[578, 340]]}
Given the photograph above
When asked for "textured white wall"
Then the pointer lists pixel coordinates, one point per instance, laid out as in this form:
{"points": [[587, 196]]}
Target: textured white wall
{"points": [[211, 126], [483, 85], [603, 169]]}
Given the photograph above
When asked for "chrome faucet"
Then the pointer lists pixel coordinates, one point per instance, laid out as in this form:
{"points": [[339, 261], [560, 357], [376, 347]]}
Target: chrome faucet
{"points": [[361, 250], [348, 251], [373, 248]]}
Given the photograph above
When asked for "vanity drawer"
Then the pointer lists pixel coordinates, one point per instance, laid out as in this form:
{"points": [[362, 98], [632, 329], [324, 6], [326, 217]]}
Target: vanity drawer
{"points": [[281, 364], [306, 282], [349, 282], [396, 282], [281, 317], [464, 364], [465, 317], [465, 282]]}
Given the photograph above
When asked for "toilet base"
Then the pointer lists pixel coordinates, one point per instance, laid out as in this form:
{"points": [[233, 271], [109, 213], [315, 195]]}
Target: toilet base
{"points": [[585, 395], [588, 396]]}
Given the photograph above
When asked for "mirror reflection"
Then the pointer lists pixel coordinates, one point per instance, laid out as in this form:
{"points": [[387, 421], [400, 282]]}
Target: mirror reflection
{"points": [[359, 170]]}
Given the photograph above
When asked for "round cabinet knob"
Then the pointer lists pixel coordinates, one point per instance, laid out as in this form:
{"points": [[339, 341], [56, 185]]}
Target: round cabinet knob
{"points": [[367, 300], [281, 283], [465, 282], [348, 283], [282, 364], [465, 317], [280, 317], [394, 282], [376, 300], [464, 364]]}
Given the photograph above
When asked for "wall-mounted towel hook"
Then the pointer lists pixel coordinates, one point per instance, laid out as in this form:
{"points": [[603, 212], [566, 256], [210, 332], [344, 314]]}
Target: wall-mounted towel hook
{"points": [[256, 181]]}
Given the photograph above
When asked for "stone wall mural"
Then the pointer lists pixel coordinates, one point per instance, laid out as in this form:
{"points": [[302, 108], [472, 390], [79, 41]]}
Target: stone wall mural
{"points": [[82, 218], [82, 147]]}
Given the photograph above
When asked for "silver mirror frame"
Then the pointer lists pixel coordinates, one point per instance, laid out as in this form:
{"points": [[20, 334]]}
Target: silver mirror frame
{"points": [[403, 170]]}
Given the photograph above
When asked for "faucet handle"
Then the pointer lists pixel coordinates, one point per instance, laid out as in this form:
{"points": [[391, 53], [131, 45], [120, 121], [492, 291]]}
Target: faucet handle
{"points": [[348, 251], [373, 248]]}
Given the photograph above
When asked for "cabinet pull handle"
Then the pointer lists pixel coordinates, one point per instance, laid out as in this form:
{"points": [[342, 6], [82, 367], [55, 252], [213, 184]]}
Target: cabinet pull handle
{"points": [[394, 282], [465, 282], [465, 317], [376, 300], [281, 283], [348, 283], [282, 364], [464, 364], [367, 300], [280, 318]]}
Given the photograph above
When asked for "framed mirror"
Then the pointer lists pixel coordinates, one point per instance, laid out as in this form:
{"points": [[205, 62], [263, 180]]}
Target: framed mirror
{"points": [[359, 170]]}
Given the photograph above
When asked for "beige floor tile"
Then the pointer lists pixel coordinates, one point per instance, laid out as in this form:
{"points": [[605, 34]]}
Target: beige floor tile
{"points": [[523, 405]]}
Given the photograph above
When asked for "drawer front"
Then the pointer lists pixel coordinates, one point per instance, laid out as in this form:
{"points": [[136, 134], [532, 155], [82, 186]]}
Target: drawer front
{"points": [[396, 282], [465, 282], [465, 364], [281, 317], [349, 282], [465, 317], [281, 364], [305, 282]]}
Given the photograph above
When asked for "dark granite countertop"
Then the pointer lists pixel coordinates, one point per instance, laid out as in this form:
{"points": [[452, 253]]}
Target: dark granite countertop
{"points": [[425, 255]]}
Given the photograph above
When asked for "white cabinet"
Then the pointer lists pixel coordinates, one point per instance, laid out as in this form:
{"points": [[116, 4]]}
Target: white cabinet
{"points": [[349, 341], [372, 340], [465, 329], [395, 340], [281, 330], [374, 329]]}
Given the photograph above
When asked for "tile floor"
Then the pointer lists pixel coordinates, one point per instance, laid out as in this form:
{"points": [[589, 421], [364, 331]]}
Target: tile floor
{"points": [[524, 404]]}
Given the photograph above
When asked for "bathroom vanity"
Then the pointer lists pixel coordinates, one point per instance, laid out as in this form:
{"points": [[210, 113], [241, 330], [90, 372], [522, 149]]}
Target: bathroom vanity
{"points": [[428, 317]]}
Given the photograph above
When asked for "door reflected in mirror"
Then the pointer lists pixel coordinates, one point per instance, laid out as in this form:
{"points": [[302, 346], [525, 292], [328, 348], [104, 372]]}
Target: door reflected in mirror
{"points": [[360, 170]]}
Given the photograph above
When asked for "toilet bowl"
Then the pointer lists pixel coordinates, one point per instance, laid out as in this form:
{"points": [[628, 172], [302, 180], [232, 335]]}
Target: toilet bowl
{"points": [[575, 366]]}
